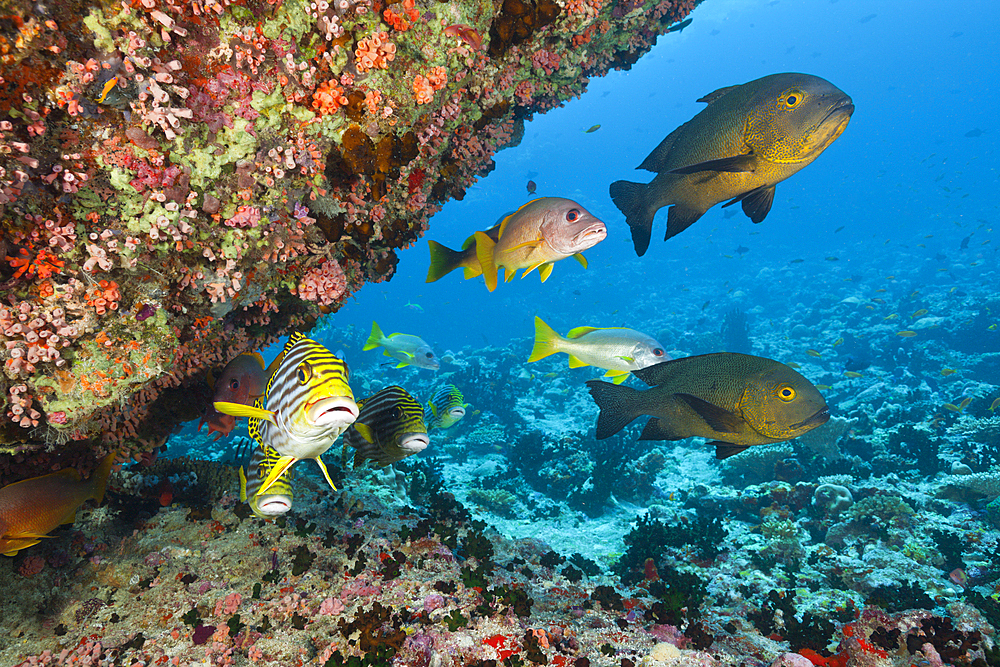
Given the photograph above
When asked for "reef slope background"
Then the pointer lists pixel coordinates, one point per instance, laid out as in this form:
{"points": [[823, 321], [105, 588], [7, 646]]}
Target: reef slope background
{"points": [[183, 181]]}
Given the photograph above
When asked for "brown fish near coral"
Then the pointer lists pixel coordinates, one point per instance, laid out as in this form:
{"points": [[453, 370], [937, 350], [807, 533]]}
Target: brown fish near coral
{"points": [[243, 381], [734, 400], [32, 508], [749, 138]]}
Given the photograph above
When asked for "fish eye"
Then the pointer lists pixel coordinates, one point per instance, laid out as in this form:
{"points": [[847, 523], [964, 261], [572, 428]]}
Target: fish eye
{"points": [[658, 352], [786, 393], [430, 355], [234, 384], [304, 373], [572, 215], [792, 99]]}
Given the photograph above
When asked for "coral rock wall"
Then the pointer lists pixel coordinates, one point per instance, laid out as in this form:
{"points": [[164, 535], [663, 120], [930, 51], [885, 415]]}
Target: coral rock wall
{"points": [[184, 180]]}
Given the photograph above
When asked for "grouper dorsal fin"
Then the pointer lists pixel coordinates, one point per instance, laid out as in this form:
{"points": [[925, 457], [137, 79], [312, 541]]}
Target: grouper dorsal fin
{"points": [[716, 94], [657, 160], [719, 419]]}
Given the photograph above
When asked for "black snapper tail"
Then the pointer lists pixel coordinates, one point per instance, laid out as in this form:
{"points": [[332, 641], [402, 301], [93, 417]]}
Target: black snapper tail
{"points": [[617, 405], [632, 199]]}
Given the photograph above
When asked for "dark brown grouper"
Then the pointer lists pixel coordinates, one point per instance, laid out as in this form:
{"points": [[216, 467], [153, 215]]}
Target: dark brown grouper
{"points": [[746, 140], [735, 400]]}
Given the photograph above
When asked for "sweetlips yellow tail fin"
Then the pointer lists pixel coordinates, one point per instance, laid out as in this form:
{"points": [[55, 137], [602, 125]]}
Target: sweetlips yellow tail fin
{"points": [[99, 478], [546, 341], [444, 260], [280, 466], [375, 339], [484, 253], [326, 473]]}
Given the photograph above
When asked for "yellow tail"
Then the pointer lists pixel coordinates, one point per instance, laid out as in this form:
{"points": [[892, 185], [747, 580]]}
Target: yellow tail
{"points": [[484, 253], [99, 478], [444, 260], [375, 340], [546, 341]]}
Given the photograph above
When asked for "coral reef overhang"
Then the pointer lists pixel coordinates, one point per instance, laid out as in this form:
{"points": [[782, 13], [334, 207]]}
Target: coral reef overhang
{"points": [[181, 181]]}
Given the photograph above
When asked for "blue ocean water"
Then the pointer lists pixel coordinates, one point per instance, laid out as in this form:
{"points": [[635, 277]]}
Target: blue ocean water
{"points": [[921, 79], [897, 216]]}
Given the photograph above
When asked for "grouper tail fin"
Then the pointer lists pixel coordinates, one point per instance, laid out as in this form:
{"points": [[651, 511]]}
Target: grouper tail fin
{"points": [[632, 199], [617, 404]]}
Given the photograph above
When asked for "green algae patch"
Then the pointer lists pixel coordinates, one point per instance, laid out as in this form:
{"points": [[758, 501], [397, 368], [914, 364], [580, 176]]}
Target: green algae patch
{"points": [[207, 162]]}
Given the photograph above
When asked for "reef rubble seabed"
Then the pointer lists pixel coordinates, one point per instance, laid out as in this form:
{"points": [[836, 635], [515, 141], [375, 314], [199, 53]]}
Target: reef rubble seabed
{"points": [[182, 181], [364, 578]]}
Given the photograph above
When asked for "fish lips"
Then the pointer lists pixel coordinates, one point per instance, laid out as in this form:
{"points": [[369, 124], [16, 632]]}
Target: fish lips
{"points": [[274, 504], [338, 411], [586, 238], [818, 419], [843, 108], [414, 442]]}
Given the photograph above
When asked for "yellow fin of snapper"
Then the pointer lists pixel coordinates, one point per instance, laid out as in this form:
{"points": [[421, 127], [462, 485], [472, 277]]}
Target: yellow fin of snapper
{"points": [[527, 244], [576, 363], [546, 341], [577, 332], [243, 486], [580, 258], [484, 253], [545, 271], [617, 376], [240, 410], [280, 466], [375, 339]]}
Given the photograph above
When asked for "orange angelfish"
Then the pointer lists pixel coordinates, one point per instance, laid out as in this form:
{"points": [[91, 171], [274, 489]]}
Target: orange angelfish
{"points": [[32, 508]]}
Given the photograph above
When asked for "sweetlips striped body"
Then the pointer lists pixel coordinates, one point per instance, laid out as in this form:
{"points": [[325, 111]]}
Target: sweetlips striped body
{"points": [[447, 407], [278, 498], [306, 406], [389, 428]]}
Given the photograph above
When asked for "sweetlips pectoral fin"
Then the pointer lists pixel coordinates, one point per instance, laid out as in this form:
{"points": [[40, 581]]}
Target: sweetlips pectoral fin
{"points": [[723, 450], [742, 163], [580, 258], [280, 466], [326, 473], [718, 419], [364, 431]]}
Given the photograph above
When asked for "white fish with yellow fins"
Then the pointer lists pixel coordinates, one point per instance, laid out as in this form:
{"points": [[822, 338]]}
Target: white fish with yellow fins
{"points": [[535, 236], [408, 349], [306, 406], [616, 349]]}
